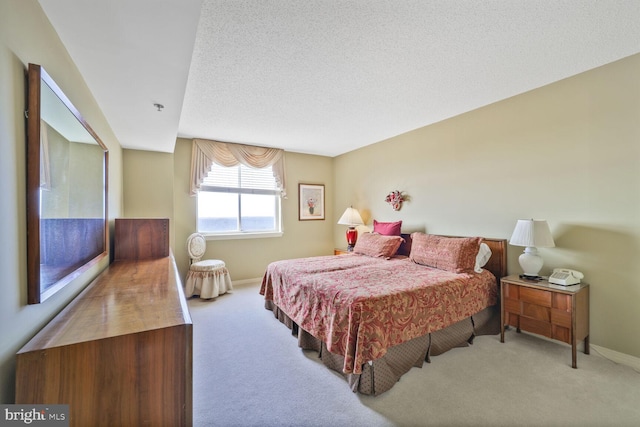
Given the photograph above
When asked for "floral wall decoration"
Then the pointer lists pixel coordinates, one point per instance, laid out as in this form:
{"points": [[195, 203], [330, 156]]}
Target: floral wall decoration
{"points": [[395, 199], [311, 201]]}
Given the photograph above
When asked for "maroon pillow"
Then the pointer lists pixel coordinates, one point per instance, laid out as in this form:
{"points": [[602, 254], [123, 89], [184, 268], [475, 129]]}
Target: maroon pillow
{"points": [[377, 245], [455, 254], [387, 228]]}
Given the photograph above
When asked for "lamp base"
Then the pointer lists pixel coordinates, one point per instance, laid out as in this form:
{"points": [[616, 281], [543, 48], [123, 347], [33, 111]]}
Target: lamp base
{"points": [[352, 237], [530, 261]]}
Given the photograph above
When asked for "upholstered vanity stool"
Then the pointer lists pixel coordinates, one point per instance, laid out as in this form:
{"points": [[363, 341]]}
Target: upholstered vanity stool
{"points": [[207, 278]]}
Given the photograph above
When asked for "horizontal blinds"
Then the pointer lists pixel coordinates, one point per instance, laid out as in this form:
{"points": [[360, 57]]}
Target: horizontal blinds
{"points": [[240, 179]]}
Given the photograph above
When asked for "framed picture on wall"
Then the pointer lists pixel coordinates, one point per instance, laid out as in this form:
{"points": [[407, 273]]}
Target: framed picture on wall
{"points": [[310, 202]]}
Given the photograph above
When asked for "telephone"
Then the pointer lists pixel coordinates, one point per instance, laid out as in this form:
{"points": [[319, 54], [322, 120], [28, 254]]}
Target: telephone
{"points": [[565, 277]]}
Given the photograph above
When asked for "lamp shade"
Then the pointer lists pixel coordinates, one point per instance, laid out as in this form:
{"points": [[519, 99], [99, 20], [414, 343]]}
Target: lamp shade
{"points": [[351, 217], [532, 232]]}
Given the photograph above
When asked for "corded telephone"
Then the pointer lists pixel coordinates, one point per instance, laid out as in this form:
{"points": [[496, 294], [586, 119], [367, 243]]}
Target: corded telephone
{"points": [[565, 277]]}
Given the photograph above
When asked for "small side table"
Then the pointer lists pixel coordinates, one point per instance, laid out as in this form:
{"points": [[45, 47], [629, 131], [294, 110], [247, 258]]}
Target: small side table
{"points": [[341, 251], [556, 312]]}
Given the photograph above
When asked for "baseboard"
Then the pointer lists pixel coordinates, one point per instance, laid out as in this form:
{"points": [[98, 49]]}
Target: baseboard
{"points": [[246, 282], [615, 356]]}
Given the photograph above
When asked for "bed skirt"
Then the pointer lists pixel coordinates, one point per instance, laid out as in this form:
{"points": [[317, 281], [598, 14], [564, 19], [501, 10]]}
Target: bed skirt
{"points": [[381, 374]]}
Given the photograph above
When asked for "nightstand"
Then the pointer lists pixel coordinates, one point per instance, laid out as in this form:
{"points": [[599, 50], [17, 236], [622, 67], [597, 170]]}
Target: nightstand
{"points": [[340, 252], [537, 306]]}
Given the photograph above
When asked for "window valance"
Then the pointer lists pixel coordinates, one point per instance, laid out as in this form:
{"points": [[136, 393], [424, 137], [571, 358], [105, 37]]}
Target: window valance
{"points": [[205, 152]]}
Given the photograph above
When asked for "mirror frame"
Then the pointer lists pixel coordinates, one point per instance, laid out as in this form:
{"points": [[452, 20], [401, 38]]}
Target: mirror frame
{"points": [[36, 77]]}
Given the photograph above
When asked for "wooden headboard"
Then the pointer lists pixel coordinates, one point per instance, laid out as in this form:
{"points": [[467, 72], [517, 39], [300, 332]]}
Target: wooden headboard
{"points": [[497, 264]]}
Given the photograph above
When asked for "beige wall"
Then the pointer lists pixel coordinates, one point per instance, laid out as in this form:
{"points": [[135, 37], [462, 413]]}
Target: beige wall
{"points": [[158, 186], [568, 153], [149, 180], [26, 36]]}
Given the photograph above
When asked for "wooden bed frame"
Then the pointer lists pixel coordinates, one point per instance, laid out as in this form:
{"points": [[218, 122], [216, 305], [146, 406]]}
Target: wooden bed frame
{"points": [[497, 264], [381, 374]]}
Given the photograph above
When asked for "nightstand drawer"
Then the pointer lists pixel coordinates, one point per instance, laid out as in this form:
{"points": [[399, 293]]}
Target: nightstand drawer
{"points": [[562, 302], [536, 326], [512, 306], [536, 312], [536, 296], [561, 318], [561, 334], [511, 291]]}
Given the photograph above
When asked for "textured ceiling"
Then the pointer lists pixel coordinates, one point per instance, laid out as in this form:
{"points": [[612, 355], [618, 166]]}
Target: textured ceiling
{"points": [[324, 77]]}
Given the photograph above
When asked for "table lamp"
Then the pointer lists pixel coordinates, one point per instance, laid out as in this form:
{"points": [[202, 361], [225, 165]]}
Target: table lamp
{"points": [[532, 234], [351, 217]]}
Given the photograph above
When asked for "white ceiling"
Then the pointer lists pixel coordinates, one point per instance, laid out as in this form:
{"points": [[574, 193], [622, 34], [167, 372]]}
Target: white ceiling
{"points": [[324, 77]]}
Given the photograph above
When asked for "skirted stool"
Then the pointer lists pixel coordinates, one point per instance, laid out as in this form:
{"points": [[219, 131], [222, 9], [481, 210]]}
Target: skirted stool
{"points": [[207, 278]]}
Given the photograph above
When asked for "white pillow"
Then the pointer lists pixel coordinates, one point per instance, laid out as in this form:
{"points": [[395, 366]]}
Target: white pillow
{"points": [[484, 253]]}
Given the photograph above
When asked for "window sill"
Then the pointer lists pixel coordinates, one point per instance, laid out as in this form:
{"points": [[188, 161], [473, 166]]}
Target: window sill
{"points": [[235, 236]]}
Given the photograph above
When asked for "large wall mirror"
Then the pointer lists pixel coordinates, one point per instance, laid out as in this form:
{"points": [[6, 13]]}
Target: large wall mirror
{"points": [[67, 229]]}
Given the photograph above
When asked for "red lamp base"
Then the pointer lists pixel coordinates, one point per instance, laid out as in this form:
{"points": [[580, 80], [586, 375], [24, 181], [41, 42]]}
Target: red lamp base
{"points": [[352, 237]]}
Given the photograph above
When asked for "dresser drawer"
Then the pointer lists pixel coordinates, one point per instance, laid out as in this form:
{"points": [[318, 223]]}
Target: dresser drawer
{"points": [[536, 296]]}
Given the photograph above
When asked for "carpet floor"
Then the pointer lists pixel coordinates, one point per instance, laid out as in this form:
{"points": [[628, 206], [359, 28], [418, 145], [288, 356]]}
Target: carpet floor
{"points": [[249, 371]]}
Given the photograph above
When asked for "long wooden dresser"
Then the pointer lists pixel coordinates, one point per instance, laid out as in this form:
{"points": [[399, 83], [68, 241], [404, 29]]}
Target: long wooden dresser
{"points": [[120, 354]]}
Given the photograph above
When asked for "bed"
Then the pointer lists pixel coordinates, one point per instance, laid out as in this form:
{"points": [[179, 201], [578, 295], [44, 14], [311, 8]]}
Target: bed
{"points": [[374, 314]]}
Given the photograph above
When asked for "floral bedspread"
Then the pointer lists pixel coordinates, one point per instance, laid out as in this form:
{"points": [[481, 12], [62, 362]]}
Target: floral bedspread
{"points": [[360, 306]]}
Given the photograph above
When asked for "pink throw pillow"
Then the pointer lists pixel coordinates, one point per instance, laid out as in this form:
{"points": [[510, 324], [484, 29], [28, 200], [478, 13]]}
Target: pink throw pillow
{"points": [[387, 228], [377, 245], [455, 254]]}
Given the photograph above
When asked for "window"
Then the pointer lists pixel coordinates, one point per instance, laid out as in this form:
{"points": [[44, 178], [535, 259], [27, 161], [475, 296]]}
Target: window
{"points": [[238, 200]]}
